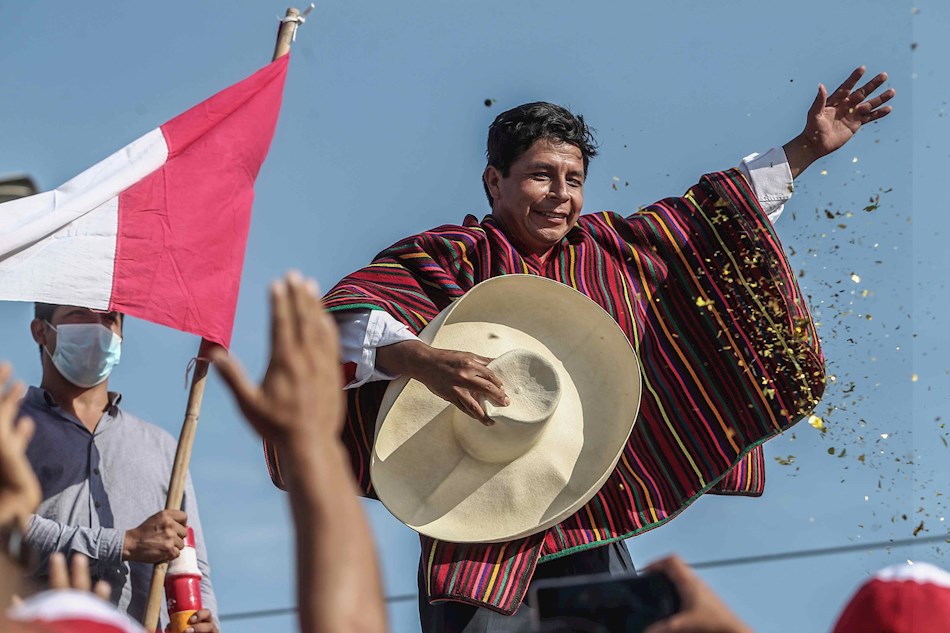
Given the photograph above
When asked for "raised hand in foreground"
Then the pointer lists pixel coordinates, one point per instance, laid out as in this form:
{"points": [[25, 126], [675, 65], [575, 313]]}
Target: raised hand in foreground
{"points": [[299, 406], [19, 489]]}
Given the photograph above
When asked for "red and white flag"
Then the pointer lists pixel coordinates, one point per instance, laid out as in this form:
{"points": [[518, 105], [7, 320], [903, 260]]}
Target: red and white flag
{"points": [[157, 230]]}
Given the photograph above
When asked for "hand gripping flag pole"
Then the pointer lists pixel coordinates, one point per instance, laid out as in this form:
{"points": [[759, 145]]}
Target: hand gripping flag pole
{"points": [[285, 36]]}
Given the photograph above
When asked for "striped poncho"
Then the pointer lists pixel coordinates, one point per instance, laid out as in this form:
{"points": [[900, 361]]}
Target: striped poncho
{"points": [[729, 354]]}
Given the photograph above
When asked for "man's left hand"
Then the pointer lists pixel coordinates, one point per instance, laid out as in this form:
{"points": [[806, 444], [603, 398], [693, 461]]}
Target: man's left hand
{"points": [[833, 119]]}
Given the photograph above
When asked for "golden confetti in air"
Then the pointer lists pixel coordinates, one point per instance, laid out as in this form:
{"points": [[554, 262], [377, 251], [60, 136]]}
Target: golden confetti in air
{"points": [[816, 422], [824, 172], [703, 303], [854, 160], [913, 378], [855, 278], [884, 436]]}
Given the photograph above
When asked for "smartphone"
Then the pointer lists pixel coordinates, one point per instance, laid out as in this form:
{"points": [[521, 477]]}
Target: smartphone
{"points": [[603, 603]]}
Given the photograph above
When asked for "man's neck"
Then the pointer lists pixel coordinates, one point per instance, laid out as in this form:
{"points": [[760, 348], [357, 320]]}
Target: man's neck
{"points": [[87, 404]]}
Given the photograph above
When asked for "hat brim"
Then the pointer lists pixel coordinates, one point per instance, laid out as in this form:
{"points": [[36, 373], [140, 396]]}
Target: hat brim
{"points": [[418, 468]]}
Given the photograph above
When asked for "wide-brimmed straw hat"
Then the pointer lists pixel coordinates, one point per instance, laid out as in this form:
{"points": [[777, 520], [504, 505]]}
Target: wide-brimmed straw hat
{"points": [[574, 385]]}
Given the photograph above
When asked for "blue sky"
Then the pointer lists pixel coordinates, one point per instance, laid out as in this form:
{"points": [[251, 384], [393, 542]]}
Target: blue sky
{"points": [[382, 135]]}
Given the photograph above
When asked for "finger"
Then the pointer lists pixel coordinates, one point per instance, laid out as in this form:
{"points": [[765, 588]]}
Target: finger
{"points": [[482, 360], [6, 370], [880, 100], [862, 93], [821, 99], [490, 376], [311, 321], [58, 574], [9, 400], [202, 615], [470, 407], [845, 88], [23, 432], [202, 627], [297, 308], [877, 114], [281, 323], [675, 569], [102, 589], [79, 571], [243, 390], [178, 516], [494, 393]]}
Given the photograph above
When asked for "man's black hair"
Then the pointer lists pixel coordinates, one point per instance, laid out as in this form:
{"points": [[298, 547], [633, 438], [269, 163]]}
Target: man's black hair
{"points": [[515, 131], [44, 311]]}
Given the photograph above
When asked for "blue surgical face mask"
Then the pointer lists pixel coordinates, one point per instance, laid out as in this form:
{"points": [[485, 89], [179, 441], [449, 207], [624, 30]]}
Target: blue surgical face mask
{"points": [[86, 353]]}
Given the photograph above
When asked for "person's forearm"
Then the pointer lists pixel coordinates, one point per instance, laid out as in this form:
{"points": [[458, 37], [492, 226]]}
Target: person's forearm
{"points": [[338, 581], [800, 154], [100, 545], [400, 359]]}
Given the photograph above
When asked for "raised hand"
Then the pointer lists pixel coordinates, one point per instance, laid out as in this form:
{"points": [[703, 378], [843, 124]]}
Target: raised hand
{"points": [[461, 378], [299, 406], [302, 391], [76, 576], [20, 492], [834, 119]]}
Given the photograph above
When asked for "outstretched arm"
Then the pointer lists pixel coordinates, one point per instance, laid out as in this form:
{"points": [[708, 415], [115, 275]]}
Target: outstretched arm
{"points": [[833, 119], [299, 407]]}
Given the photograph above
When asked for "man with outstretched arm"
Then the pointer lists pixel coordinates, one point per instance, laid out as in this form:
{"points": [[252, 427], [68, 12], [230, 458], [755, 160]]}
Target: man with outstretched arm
{"points": [[700, 286]]}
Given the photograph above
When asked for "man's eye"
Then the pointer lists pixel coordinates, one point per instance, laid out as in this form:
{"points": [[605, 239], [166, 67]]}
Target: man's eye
{"points": [[539, 176], [574, 182]]}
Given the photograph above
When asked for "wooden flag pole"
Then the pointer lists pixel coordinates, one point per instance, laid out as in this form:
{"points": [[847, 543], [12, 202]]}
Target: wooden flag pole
{"points": [[186, 440]]}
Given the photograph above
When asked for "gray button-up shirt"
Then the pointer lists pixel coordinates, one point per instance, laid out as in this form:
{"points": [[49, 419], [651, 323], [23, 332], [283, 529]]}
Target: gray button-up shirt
{"points": [[98, 485]]}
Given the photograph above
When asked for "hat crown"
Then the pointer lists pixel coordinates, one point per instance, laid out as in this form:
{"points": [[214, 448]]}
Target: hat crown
{"points": [[533, 386]]}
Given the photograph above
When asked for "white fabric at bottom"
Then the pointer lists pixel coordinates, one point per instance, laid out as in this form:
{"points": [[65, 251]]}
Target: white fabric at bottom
{"points": [[72, 604]]}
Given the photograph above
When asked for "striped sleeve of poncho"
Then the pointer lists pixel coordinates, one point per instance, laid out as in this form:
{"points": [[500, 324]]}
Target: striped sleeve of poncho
{"points": [[729, 353]]}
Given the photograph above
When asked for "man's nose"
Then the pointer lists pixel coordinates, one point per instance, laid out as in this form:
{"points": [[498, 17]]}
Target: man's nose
{"points": [[559, 190]]}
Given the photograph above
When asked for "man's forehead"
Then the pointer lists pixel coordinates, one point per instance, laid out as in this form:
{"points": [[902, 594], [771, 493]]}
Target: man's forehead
{"points": [[62, 310]]}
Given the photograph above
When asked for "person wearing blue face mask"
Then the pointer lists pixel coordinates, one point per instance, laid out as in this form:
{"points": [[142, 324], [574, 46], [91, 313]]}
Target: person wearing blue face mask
{"points": [[104, 472]]}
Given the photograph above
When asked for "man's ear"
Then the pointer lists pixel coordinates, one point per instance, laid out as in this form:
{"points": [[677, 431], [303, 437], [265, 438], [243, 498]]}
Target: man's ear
{"points": [[39, 330], [492, 178]]}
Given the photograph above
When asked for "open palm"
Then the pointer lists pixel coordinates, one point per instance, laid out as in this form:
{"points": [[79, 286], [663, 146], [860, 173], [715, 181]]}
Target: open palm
{"points": [[833, 119]]}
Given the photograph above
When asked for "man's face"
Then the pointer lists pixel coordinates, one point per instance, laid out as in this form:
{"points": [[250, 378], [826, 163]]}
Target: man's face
{"points": [[45, 335], [540, 199]]}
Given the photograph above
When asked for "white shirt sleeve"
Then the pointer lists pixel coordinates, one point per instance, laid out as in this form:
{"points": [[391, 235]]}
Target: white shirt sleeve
{"points": [[771, 179], [361, 333]]}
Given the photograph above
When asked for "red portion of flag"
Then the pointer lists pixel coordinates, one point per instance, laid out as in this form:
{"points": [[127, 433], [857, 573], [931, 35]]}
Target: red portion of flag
{"points": [[183, 229]]}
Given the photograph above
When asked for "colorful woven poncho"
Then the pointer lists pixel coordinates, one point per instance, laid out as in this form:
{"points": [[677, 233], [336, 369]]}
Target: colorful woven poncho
{"points": [[729, 353]]}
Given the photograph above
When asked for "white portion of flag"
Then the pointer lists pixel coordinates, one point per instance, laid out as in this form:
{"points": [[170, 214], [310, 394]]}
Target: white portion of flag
{"points": [[66, 238]]}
